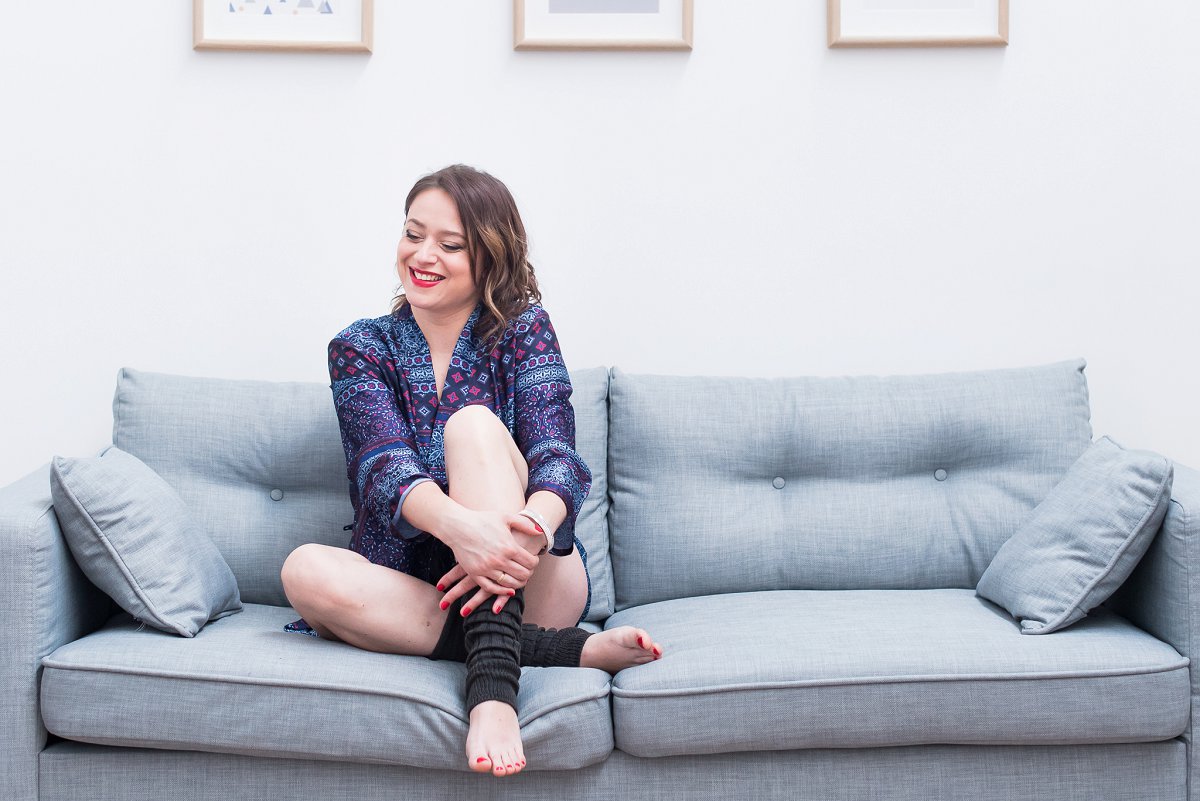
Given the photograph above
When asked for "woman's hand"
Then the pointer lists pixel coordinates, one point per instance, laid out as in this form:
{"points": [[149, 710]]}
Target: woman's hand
{"points": [[522, 536]]}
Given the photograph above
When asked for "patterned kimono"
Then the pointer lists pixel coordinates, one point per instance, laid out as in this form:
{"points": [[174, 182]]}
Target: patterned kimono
{"points": [[392, 424]]}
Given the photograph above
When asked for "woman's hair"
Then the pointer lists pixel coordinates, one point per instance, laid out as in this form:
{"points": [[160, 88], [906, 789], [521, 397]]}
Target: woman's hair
{"points": [[496, 244]]}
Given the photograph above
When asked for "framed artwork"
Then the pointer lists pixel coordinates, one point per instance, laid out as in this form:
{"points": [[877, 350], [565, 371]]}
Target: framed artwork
{"points": [[918, 23], [307, 25], [602, 24]]}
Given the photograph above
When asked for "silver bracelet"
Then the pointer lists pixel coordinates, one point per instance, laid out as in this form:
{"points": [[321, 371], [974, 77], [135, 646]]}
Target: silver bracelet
{"points": [[540, 522]]}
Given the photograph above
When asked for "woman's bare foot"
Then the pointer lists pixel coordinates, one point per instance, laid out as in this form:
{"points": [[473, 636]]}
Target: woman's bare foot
{"points": [[494, 739], [619, 648]]}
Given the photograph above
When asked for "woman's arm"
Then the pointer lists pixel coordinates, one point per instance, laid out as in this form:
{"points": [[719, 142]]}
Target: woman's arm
{"points": [[483, 542], [381, 455], [545, 431]]}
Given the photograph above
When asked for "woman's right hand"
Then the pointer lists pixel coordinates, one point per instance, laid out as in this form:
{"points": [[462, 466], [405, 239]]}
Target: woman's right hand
{"points": [[486, 550]]}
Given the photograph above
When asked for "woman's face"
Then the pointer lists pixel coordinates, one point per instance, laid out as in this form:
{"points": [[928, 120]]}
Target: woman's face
{"points": [[432, 259]]}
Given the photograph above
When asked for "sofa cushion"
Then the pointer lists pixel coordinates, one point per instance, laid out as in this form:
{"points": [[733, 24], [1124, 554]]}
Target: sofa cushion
{"points": [[134, 537], [243, 685], [861, 668], [1083, 540], [906, 482], [260, 464]]}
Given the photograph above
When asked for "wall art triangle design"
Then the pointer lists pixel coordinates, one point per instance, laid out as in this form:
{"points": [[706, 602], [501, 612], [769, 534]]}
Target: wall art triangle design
{"points": [[275, 7]]}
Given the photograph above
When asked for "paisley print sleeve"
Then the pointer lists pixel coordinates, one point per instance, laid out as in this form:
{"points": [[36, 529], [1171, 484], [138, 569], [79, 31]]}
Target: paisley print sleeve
{"points": [[381, 455], [545, 421]]}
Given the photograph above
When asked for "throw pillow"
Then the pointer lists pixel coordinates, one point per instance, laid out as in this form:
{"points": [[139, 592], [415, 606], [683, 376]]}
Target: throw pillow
{"points": [[133, 536], [1083, 540]]}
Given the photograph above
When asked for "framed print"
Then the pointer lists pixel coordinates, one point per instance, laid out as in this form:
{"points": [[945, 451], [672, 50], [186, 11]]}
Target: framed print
{"points": [[918, 23], [602, 24], [308, 25]]}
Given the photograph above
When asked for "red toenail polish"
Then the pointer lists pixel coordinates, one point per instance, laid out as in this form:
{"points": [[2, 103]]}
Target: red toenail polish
{"points": [[482, 759], [640, 643]]}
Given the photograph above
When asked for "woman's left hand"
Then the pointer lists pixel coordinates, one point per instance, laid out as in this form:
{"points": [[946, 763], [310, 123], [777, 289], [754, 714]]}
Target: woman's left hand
{"points": [[463, 584]]}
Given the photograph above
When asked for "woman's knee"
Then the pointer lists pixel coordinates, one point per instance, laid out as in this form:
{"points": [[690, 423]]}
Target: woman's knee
{"points": [[471, 425], [306, 569], [477, 432]]}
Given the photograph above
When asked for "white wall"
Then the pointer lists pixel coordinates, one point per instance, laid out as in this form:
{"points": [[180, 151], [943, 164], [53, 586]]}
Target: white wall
{"points": [[760, 206]]}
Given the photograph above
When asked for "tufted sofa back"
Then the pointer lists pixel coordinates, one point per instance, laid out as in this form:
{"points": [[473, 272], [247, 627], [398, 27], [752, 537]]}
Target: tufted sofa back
{"points": [[725, 485], [261, 465]]}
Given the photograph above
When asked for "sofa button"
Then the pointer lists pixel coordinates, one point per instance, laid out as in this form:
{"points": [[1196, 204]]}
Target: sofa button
{"points": [[939, 474], [778, 482], [277, 495]]}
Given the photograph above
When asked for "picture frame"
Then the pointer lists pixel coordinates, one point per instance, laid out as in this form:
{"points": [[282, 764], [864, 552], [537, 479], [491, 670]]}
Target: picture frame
{"points": [[331, 26], [918, 23], [602, 24]]}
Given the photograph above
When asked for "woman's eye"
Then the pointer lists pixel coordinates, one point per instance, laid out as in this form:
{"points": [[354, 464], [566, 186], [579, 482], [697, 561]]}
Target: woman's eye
{"points": [[451, 248], [411, 237]]}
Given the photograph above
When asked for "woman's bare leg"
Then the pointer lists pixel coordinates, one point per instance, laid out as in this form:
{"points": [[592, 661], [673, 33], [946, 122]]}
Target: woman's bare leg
{"points": [[343, 596], [487, 471], [484, 474]]}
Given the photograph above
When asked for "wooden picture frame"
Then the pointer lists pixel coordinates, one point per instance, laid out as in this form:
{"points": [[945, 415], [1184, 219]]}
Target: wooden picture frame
{"points": [[328, 26], [602, 24], [918, 23]]}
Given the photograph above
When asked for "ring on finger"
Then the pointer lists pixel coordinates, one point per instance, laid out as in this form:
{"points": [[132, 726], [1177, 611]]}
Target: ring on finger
{"points": [[503, 578]]}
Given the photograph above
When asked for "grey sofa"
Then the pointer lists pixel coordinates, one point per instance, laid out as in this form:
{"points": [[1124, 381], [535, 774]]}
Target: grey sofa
{"points": [[805, 549]]}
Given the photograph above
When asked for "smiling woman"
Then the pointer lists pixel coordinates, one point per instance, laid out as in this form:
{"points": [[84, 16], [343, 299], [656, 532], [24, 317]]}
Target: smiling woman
{"points": [[459, 435], [432, 258], [456, 207]]}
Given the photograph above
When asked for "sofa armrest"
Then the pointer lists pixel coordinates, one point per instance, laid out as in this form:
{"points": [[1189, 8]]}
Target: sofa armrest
{"points": [[45, 601], [1163, 594]]}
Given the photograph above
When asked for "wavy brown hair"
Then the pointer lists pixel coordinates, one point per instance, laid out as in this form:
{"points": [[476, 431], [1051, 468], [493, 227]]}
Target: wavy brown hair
{"points": [[496, 244]]}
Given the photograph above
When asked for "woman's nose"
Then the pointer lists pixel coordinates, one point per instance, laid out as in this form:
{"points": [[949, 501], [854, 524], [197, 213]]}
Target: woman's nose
{"points": [[426, 253]]}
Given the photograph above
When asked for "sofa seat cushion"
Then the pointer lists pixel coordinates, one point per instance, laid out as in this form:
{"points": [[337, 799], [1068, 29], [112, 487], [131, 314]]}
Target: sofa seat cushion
{"points": [[863, 668], [243, 685]]}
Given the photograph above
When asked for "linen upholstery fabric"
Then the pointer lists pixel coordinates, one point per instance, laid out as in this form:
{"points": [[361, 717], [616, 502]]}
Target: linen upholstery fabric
{"points": [[134, 538], [45, 601], [589, 396], [1165, 587], [1128, 772], [883, 668], [905, 482], [244, 685], [261, 467], [1083, 540]]}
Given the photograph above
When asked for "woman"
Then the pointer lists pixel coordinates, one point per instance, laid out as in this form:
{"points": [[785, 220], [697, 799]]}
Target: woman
{"points": [[459, 437]]}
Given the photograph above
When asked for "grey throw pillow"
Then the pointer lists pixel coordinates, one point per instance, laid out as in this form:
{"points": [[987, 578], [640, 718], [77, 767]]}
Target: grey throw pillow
{"points": [[1083, 540], [134, 538]]}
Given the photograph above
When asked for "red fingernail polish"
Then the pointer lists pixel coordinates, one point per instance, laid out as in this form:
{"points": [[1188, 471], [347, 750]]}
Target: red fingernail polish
{"points": [[512, 593], [441, 588], [444, 606], [466, 611]]}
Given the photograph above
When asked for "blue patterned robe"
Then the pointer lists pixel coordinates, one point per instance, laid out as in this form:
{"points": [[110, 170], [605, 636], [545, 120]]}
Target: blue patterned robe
{"points": [[392, 424]]}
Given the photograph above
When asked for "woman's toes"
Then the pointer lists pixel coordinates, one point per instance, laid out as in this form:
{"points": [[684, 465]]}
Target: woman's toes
{"points": [[480, 763]]}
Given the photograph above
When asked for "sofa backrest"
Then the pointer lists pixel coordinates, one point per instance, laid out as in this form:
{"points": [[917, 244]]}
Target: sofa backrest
{"points": [[261, 465], [733, 484]]}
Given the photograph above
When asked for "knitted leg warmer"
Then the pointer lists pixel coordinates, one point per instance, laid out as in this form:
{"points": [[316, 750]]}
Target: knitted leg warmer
{"points": [[552, 647], [539, 647], [493, 645]]}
